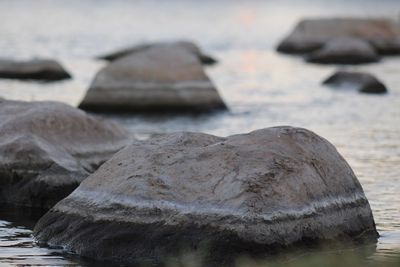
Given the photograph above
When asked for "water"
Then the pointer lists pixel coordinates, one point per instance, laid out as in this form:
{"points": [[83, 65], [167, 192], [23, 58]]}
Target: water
{"points": [[261, 87]]}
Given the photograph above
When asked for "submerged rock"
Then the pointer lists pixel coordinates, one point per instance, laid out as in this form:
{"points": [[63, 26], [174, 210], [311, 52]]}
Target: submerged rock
{"points": [[160, 78], [36, 69], [191, 47], [311, 34], [48, 148], [344, 50], [219, 197], [363, 82]]}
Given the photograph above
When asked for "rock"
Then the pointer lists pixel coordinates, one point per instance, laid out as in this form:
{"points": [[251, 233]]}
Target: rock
{"points": [[157, 79], [311, 34], [363, 82], [219, 197], [36, 69], [48, 148], [191, 47], [387, 48], [344, 50]]}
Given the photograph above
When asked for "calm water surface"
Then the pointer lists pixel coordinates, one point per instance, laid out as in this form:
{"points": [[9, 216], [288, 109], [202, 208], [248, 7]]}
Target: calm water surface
{"points": [[261, 87]]}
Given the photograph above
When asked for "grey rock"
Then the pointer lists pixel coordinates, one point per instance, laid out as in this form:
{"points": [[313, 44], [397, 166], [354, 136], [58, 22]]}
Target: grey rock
{"points": [[344, 50], [48, 148], [219, 197], [311, 34], [157, 79], [362, 82], [190, 46], [36, 69]]}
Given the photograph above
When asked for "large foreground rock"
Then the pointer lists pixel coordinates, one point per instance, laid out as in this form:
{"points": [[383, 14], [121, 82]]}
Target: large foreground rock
{"points": [[217, 196], [48, 148], [311, 34], [36, 69], [160, 78], [344, 50], [360, 81], [190, 46]]}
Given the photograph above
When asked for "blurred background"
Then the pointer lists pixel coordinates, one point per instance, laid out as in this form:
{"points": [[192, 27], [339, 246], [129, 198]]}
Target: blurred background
{"points": [[261, 87]]}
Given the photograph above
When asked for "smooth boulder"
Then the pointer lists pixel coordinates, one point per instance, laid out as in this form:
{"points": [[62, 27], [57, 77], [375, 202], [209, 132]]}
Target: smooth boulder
{"points": [[36, 69], [157, 79], [362, 82], [344, 50], [190, 46], [312, 34], [48, 148], [215, 196]]}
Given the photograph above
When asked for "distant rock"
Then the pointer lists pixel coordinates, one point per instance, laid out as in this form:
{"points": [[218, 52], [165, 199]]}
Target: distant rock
{"points": [[219, 197], [191, 47], [36, 69], [165, 78], [48, 148], [363, 82], [344, 50], [312, 34]]}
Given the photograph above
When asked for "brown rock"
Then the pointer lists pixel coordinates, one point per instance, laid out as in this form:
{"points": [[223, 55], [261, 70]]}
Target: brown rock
{"points": [[311, 34], [362, 82], [48, 148], [344, 50], [157, 79], [36, 69], [219, 197], [191, 47]]}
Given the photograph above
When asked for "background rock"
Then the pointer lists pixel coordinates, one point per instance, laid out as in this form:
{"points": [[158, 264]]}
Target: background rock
{"points": [[344, 50], [36, 69], [190, 46], [160, 78], [311, 34], [48, 148], [363, 82]]}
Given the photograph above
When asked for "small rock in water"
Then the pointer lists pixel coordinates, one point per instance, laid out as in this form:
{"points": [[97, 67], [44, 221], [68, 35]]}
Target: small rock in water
{"points": [[161, 78], [179, 192], [363, 82], [344, 50], [48, 148], [190, 46], [36, 69]]}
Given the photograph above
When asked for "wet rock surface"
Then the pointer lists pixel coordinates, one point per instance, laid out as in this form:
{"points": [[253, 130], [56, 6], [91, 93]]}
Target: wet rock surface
{"points": [[48, 148], [360, 81], [344, 50], [220, 197], [36, 69], [312, 34], [165, 78], [189, 46]]}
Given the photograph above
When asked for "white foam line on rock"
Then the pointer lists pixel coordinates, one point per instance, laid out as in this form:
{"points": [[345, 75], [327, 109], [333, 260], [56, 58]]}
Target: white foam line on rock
{"points": [[106, 200], [184, 85]]}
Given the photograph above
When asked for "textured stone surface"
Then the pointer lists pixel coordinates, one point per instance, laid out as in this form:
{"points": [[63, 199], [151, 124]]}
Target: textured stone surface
{"points": [[363, 82], [311, 34], [160, 78], [191, 47], [48, 148], [247, 193], [344, 50], [36, 69]]}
